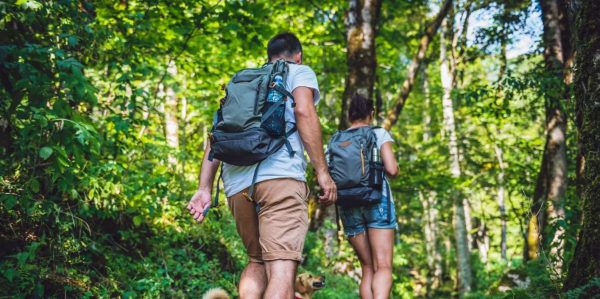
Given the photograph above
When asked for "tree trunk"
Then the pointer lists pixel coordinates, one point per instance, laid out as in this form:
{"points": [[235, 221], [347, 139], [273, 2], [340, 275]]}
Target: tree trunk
{"points": [[430, 31], [482, 239], [431, 232], [429, 202], [500, 199], [361, 26], [171, 119], [460, 231], [586, 260], [552, 180]]}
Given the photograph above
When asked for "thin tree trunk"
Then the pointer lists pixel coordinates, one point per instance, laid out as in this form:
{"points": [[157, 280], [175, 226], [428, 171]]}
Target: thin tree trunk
{"points": [[429, 202], [500, 199], [482, 239], [467, 210], [171, 119], [552, 181], [183, 138], [460, 231], [586, 260], [361, 26], [430, 31]]}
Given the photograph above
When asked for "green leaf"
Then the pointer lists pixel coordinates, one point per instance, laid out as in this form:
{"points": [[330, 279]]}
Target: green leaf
{"points": [[9, 201], [22, 258], [29, 4], [137, 220], [72, 40], [34, 186], [45, 152], [9, 274]]}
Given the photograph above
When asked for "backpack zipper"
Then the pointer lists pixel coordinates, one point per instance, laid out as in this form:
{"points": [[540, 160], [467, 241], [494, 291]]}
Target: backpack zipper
{"points": [[362, 159], [257, 94]]}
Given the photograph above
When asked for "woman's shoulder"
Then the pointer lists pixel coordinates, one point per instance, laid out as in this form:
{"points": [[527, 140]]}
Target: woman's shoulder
{"points": [[382, 134], [381, 131]]}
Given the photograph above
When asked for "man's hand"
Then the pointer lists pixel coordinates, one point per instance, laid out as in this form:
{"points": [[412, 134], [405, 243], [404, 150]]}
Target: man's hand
{"points": [[329, 189], [199, 204]]}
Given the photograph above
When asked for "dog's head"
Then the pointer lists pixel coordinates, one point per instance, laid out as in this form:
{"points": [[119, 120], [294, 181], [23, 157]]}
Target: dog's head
{"points": [[307, 283]]}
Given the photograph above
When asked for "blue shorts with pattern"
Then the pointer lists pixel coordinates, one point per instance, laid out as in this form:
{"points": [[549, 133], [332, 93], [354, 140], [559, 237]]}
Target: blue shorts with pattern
{"points": [[357, 220]]}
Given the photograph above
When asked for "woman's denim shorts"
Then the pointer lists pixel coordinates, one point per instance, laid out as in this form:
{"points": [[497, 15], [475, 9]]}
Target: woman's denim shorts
{"points": [[357, 220]]}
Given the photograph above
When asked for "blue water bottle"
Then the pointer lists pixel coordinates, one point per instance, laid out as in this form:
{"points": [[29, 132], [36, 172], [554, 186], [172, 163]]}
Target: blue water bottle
{"points": [[274, 95], [275, 123]]}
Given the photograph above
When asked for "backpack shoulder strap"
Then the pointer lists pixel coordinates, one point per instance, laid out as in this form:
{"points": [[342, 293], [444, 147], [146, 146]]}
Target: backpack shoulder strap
{"points": [[373, 128], [282, 67]]}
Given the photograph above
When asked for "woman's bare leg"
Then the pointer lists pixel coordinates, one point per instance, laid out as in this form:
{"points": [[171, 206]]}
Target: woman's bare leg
{"points": [[382, 247], [360, 243]]}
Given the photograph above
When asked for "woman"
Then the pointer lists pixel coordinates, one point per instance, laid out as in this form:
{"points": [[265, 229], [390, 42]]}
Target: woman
{"points": [[368, 228]]}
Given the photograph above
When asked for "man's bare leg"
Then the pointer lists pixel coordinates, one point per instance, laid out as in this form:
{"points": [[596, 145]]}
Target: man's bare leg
{"points": [[281, 275], [253, 281]]}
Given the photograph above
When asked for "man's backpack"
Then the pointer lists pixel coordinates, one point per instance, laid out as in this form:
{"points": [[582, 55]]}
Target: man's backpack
{"points": [[355, 165], [240, 136], [248, 126]]}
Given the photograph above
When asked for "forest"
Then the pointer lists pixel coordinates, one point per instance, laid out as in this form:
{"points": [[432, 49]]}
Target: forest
{"points": [[105, 109]]}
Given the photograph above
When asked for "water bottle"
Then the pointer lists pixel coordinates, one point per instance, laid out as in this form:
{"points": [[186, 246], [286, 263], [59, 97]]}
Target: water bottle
{"points": [[275, 123], [375, 157], [376, 168], [274, 95]]}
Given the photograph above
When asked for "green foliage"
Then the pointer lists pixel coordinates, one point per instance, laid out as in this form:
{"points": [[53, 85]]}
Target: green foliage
{"points": [[92, 194], [589, 290]]}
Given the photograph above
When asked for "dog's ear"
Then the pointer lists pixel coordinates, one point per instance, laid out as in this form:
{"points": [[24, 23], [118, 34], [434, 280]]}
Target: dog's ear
{"points": [[300, 284]]}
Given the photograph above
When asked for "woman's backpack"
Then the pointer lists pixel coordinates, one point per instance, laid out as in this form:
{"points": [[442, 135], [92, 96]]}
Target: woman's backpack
{"points": [[355, 165]]}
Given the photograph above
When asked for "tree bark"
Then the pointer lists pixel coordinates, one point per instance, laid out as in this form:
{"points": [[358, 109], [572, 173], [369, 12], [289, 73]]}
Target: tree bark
{"points": [[552, 180], [460, 231], [171, 118], [429, 202], [500, 199], [586, 260], [482, 239], [361, 26], [430, 31]]}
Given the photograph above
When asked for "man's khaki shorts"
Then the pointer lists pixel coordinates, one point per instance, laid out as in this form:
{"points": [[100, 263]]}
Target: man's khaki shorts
{"points": [[275, 225]]}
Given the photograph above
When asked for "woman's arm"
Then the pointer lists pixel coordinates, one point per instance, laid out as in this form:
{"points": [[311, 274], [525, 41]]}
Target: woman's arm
{"points": [[389, 160]]}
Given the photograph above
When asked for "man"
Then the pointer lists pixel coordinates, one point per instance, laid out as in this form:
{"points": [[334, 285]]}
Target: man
{"points": [[273, 226]]}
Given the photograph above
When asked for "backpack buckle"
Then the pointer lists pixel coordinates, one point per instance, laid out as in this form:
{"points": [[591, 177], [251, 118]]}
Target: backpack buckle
{"points": [[247, 197]]}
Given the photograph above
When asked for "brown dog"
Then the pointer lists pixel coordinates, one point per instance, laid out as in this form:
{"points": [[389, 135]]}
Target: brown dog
{"points": [[306, 284]]}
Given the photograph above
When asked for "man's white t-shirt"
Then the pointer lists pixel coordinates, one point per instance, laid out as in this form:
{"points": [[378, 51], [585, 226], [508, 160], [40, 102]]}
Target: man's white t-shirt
{"points": [[279, 164]]}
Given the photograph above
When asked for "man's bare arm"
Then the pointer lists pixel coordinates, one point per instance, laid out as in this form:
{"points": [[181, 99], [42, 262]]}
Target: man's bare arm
{"points": [[200, 202], [309, 129], [208, 170]]}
